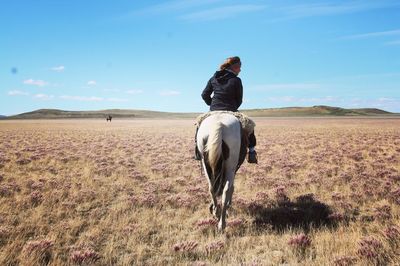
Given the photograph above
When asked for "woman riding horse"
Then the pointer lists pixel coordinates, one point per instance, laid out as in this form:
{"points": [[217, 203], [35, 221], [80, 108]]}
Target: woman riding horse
{"points": [[228, 95]]}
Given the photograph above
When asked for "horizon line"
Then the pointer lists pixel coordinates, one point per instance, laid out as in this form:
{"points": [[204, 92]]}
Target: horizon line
{"points": [[195, 112]]}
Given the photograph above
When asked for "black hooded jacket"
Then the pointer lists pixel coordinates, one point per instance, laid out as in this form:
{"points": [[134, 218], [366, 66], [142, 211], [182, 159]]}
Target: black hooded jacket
{"points": [[227, 89]]}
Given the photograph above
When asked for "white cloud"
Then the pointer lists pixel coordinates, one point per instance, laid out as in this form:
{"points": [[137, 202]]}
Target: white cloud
{"points": [[385, 103], [91, 83], [373, 34], [169, 93], [169, 6], [191, 8], [91, 99], [43, 97], [282, 99], [328, 9], [221, 12], [17, 92], [205, 10], [393, 43], [326, 99], [292, 99], [116, 100], [82, 98], [111, 90], [385, 99], [287, 86], [39, 83], [180, 4], [134, 91], [58, 68]]}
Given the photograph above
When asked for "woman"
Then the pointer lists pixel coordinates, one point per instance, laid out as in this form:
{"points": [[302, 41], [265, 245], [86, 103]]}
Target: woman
{"points": [[228, 95]]}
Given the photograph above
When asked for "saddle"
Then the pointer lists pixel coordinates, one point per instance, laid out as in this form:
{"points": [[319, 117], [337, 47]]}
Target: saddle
{"points": [[247, 127]]}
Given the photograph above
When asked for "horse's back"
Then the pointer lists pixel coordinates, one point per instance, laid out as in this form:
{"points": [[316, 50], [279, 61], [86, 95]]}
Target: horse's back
{"points": [[229, 121], [231, 130]]}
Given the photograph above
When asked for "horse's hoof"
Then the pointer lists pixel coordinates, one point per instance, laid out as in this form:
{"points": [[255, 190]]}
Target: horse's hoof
{"points": [[211, 208], [221, 227]]}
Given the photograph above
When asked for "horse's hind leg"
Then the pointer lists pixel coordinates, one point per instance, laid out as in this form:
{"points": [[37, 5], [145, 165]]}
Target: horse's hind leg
{"points": [[226, 200], [214, 207], [215, 210]]}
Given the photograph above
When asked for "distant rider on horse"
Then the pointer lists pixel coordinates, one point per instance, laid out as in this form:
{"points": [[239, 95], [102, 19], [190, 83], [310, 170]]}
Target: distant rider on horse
{"points": [[228, 96]]}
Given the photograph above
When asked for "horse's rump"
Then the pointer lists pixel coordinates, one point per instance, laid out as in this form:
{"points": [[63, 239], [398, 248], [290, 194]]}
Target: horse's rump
{"points": [[247, 127]]}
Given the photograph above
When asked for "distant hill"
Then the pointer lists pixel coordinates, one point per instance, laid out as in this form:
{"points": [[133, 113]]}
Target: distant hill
{"points": [[319, 110], [115, 113], [3, 116]]}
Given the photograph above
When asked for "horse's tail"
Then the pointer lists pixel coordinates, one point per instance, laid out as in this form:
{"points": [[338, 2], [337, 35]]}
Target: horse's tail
{"points": [[217, 152]]}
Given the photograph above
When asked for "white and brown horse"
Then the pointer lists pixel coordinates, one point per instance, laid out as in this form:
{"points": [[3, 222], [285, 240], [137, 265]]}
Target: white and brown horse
{"points": [[220, 142]]}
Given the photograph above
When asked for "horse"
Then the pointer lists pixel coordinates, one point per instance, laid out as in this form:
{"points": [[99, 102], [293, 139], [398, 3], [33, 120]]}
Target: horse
{"points": [[108, 118], [220, 142]]}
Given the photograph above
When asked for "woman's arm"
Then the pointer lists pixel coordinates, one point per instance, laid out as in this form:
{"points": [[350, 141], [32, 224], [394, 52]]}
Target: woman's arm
{"points": [[206, 95], [239, 92]]}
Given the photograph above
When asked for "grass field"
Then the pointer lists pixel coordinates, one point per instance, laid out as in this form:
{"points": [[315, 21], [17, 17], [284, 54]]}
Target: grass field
{"points": [[326, 191]]}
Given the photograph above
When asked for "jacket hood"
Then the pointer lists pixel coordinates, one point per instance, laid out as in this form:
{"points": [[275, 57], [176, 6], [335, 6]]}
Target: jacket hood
{"points": [[222, 76]]}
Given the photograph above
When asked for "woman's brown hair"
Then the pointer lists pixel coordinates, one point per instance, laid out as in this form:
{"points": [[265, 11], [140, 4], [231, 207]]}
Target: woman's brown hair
{"points": [[230, 61]]}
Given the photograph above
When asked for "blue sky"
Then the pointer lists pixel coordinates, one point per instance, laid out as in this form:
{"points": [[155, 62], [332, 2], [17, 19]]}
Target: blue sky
{"points": [[159, 55]]}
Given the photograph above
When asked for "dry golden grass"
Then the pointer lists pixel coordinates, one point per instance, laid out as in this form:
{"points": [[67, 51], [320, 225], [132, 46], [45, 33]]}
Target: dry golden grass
{"points": [[325, 192]]}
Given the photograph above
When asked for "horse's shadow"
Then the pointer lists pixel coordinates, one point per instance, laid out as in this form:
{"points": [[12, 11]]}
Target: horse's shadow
{"points": [[303, 213]]}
